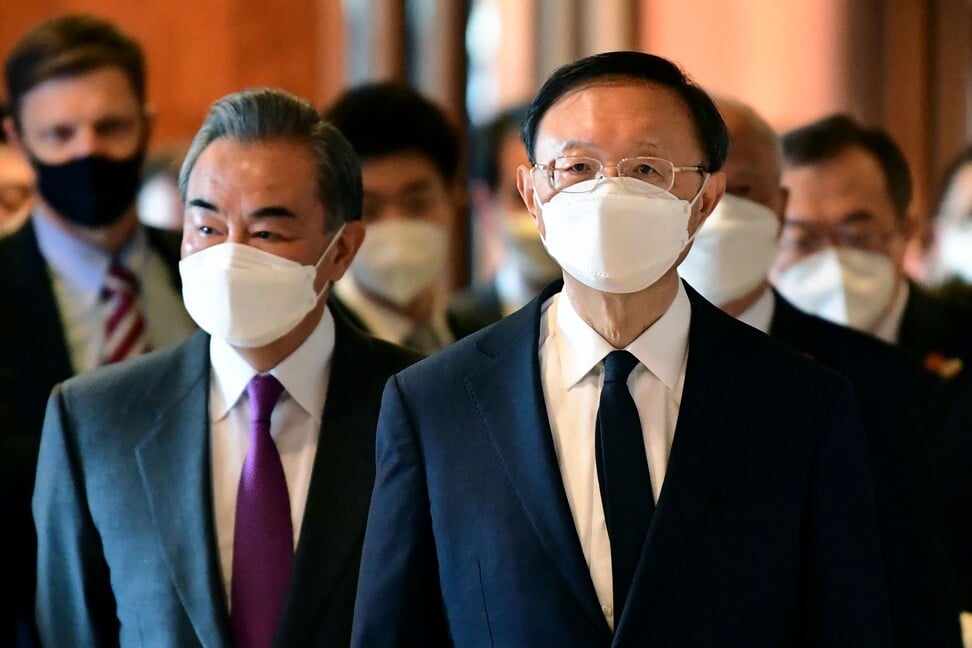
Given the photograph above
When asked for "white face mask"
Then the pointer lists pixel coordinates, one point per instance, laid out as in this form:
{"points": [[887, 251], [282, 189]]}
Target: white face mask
{"points": [[400, 258], [523, 249], [614, 240], [246, 296], [733, 250], [844, 285], [955, 251]]}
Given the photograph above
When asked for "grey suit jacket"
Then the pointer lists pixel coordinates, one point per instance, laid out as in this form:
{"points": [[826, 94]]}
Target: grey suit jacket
{"points": [[123, 503]]}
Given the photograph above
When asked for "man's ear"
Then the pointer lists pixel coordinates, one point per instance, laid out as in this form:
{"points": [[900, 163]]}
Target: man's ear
{"points": [[714, 189], [13, 136], [350, 242], [782, 198], [524, 184], [908, 224]]}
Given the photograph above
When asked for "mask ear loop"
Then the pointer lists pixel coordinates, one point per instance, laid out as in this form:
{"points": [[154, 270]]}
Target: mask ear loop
{"points": [[334, 239], [705, 182]]}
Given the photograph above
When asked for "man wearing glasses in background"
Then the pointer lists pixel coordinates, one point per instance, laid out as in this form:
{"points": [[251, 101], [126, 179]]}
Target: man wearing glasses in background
{"points": [[618, 462], [16, 184]]}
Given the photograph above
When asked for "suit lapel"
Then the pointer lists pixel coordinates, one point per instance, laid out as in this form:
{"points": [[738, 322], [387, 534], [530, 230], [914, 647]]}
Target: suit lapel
{"points": [[174, 462], [509, 398], [700, 450], [340, 489], [29, 278]]}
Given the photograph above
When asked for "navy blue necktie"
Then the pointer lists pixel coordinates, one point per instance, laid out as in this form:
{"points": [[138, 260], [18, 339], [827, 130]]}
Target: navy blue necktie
{"points": [[622, 474]]}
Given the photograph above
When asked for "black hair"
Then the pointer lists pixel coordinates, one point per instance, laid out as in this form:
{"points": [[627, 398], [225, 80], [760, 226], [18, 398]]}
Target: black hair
{"points": [[827, 138], [710, 128], [487, 142], [269, 114], [69, 46], [390, 117]]}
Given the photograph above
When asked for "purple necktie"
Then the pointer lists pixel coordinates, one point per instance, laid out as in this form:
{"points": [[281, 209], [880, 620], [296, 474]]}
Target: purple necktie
{"points": [[263, 540]]}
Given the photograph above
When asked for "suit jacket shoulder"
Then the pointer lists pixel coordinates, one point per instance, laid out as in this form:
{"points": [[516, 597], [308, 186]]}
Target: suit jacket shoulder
{"points": [[932, 325], [888, 386]]}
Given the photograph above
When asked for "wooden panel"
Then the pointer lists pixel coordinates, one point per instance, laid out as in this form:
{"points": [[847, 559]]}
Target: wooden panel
{"points": [[200, 50], [788, 59]]}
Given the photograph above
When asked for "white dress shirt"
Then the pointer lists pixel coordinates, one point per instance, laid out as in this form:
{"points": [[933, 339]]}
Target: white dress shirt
{"points": [[78, 272], [571, 373], [759, 315], [889, 328], [383, 322], [295, 426]]}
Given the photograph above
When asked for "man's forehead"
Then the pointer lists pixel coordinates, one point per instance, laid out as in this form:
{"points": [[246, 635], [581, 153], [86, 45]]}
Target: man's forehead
{"points": [[619, 112], [256, 168], [400, 172], [102, 88], [851, 173]]}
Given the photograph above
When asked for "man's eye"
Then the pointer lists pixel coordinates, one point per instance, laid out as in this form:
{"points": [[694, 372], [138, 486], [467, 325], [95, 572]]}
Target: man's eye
{"points": [[575, 167], [266, 236], [206, 229], [59, 134]]}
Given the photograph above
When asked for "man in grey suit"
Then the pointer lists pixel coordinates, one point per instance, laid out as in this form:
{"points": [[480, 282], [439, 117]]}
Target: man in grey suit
{"points": [[215, 493]]}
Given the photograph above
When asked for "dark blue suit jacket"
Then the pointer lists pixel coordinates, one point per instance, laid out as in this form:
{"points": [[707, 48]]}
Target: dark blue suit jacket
{"points": [[889, 390], [764, 534], [123, 503]]}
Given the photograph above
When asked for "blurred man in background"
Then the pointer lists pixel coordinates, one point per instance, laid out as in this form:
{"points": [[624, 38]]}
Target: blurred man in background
{"points": [[16, 184], [729, 262], [523, 265], [82, 284], [844, 236], [409, 154]]}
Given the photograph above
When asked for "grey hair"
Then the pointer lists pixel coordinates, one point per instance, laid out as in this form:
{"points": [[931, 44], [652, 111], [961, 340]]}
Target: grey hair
{"points": [[757, 124], [266, 114]]}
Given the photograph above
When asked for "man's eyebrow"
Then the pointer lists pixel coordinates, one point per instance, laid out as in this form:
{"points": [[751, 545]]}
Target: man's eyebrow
{"points": [[273, 211], [202, 204], [859, 216], [795, 221], [417, 186]]}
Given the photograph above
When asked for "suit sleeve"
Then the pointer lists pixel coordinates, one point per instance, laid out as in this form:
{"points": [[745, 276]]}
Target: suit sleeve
{"points": [[399, 601], [75, 604], [847, 599]]}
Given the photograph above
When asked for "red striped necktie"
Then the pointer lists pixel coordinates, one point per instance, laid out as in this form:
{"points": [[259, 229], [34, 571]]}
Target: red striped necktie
{"points": [[126, 334]]}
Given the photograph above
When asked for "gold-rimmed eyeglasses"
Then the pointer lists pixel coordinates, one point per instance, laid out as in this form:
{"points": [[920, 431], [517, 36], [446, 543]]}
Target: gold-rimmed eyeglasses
{"points": [[567, 173]]}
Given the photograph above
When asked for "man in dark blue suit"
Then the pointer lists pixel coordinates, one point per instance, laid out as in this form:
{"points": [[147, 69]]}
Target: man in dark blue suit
{"points": [[729, 263], [215, 493], [618, 463]]}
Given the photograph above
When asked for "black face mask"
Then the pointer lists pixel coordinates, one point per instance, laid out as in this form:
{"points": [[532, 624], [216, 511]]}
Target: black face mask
{"points": [[93, 191]]}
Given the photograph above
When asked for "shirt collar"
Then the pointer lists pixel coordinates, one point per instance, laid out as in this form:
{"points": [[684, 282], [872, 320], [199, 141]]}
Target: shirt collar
{"points": [[889, 326], [661, 348], [383, 322], [300, 373], [759, 315], [80, 264]]}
